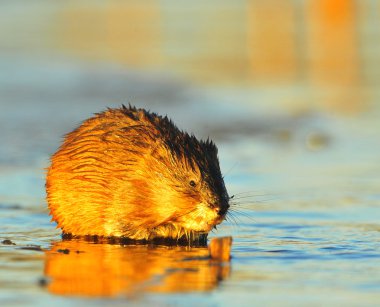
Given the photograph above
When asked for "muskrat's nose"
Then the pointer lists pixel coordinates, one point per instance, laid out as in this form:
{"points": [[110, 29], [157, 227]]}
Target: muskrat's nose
{"points": [[220, 208], [223, 210]]}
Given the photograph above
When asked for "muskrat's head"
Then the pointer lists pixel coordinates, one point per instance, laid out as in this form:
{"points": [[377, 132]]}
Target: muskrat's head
{"points": [[181, 182], [187, 183]]}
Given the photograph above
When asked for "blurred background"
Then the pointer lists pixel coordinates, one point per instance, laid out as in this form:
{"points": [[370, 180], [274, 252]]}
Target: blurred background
{"points": [[285, 72], [288, 89]]}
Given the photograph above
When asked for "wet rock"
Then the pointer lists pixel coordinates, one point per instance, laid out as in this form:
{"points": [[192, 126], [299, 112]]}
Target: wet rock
{"points": [[7, 242]]}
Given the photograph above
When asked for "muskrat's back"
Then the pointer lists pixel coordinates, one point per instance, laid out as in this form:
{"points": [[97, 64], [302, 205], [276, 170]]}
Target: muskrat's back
{"points": [[131, 173]]}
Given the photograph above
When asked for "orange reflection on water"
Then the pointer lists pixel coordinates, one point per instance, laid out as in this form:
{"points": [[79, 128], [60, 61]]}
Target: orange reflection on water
{"points": [[272, 41], [87, 269], [333, 61], [314, 43], [333, 41]]}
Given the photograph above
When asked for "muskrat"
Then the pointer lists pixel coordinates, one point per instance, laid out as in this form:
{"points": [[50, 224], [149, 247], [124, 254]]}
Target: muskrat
{"points": [[133, 174]]}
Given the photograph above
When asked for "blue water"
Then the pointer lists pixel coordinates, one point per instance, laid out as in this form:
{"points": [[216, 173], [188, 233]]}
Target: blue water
{"points": [[305, 225]]}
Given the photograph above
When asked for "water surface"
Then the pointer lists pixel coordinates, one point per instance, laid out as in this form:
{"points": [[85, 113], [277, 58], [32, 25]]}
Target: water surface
{"points": [[305, 223], [295, 115]]}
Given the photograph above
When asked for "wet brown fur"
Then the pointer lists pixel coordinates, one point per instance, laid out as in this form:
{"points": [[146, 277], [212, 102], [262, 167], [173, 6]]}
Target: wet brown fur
{"points": [[126, 173]]}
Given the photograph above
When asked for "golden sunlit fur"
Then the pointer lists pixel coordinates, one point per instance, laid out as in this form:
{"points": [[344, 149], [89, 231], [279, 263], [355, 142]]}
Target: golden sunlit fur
{"points": [[130, 173]]}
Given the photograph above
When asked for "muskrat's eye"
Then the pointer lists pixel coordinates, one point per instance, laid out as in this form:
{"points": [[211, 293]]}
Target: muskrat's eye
{"points": [[192, 183]]}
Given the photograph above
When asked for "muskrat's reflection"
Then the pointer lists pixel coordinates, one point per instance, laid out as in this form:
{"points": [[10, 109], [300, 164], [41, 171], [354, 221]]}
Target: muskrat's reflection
{"points": [[84, 268]]}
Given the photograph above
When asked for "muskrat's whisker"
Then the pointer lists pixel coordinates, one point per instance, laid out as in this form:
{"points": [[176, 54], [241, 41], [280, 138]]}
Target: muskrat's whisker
{"points": [[249, 192], [234, 210], [230, 169], [236, 221], [255, 198], [230, 217], [249, 201], [240, 212], [248, 205], [247, 197], [255, 193], [252, 194], [240, 208]]}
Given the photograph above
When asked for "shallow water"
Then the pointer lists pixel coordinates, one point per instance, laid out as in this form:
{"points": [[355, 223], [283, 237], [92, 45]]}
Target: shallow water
{"points": [[305, 223], [295, 115]]}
